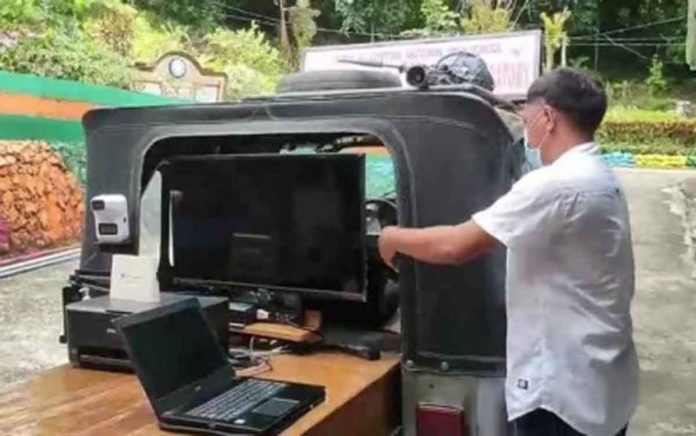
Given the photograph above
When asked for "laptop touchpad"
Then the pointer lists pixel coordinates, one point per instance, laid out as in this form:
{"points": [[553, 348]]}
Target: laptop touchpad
{"points": [[275, 407]]}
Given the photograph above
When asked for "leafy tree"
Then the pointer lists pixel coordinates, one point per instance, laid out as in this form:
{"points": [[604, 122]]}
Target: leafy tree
{"points": [[252, 64], [479, 16], [554, 35], [380, 18], [70, 55], [18, 15], [54, 39], [486, 18], [584, 19], [113, 23], [152, 38], [656, 82], [303, 27], [439, 18], [201, 13]]}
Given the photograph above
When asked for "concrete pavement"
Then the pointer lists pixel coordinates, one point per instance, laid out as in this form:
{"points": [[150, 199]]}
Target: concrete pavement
{"points": [[31, 321], [664, 308]]}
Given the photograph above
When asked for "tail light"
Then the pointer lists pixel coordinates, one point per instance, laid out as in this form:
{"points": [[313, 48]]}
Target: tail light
{"points": [[433, 420]]}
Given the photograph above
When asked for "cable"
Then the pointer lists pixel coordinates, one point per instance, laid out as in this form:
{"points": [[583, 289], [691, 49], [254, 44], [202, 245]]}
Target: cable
{"points": [[247, 19], [639, 26], [250, 13], [636, 44], [628, 49], [254, 21], [272, 21], [629, 39], [268, 19], [260, 360]]}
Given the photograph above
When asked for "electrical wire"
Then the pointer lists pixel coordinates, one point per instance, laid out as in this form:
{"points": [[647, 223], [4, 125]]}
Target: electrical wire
{"points": [[632, 39], [260, 360], [273, 21], [630, 28], [636, 44]]}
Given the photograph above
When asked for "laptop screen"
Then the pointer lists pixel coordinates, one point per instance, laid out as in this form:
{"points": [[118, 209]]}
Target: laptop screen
{"points": [[173, 350]]}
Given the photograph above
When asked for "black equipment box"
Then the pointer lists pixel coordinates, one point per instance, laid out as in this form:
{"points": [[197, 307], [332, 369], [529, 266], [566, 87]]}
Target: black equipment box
{"points": [[94, 342]]}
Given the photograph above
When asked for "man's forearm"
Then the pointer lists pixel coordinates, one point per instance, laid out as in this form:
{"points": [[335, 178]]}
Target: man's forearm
{"points": [[443, 245]]}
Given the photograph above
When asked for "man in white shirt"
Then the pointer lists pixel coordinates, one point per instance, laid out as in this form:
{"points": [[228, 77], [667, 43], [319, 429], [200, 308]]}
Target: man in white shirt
{"points": [[571, 362]]}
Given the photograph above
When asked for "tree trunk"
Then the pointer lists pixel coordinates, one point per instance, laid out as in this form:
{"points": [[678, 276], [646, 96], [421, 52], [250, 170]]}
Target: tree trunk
{"points": [[284, 37]]}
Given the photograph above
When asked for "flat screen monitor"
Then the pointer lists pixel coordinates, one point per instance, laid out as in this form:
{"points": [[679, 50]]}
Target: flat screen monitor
{"points": [[289, 222]]}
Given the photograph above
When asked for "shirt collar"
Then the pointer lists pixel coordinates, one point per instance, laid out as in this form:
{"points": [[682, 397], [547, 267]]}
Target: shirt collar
{"points": [[590, 148]]}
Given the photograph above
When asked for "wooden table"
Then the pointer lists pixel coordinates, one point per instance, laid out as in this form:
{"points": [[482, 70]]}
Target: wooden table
{"points": [[362, 398]]}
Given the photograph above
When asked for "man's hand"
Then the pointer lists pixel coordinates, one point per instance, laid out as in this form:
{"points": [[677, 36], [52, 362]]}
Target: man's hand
{"points": [[387, 248]]}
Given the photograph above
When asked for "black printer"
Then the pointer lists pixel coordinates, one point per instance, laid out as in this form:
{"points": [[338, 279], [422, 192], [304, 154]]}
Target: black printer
{"points": [[93, 341]]}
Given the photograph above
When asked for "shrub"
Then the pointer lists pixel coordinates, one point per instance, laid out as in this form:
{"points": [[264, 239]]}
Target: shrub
{"points": [[648, 132], [152, 38], [75, 157], [656, 80], [656, 132], [68, 55], [252, 64]]}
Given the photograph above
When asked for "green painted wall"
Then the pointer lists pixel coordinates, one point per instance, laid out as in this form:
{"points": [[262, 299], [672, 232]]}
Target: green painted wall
{"points": [[58, 130], [59, 89], [46, 129]]}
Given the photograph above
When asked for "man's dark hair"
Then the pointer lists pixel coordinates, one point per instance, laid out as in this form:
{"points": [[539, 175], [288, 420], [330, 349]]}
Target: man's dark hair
{"points": [[576, 94]]}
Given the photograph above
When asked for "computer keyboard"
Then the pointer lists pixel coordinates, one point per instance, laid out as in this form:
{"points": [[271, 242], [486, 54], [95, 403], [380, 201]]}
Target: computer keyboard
{"points": [[238, 400]]}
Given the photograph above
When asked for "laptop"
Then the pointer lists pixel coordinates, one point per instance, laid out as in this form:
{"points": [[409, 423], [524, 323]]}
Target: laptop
{"points": [[191, 384]]}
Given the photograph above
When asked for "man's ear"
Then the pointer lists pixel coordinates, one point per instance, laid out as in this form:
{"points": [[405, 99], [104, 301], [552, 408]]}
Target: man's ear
{"points": [[552, 117]]}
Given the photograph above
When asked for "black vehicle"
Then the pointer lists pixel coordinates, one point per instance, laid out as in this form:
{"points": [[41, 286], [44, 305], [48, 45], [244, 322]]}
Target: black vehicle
{"points": [[455, 148]]}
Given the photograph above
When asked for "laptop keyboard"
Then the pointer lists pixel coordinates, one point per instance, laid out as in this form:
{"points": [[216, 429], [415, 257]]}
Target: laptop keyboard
{"points": [[238, 400]]}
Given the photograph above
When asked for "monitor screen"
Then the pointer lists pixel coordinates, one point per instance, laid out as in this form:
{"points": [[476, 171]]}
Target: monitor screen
{"points": [[283, 220], [173, 350]]}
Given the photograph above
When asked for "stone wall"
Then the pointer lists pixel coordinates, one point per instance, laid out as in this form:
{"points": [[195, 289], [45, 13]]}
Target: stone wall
{"points": [[39, 197]]}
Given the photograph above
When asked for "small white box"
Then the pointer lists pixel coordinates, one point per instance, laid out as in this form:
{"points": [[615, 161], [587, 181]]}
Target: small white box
{"points": [[134, 278]]}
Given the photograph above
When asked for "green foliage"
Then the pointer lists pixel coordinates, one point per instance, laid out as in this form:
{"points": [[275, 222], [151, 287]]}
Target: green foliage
{"points": [[75, 156], [439, 18], [69, 55], [480, 16], [579, 62], [252, 64], [656, 80], [648, 132], [112, 22], [619, 114], [381, 17], [303, 27], [152, 38], [626, 95], [583, 21], [619, 92], [554, 34], [17, 15], [485, 18], [68, 39], [199, 13], [665, 148]]}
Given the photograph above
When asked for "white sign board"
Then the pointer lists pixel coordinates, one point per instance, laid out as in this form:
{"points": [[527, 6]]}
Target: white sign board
{"points": [[514, 59]]}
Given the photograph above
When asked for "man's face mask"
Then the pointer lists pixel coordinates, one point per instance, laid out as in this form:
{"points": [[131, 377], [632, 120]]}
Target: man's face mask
{"points": [[533, 151], [532, 155]]}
